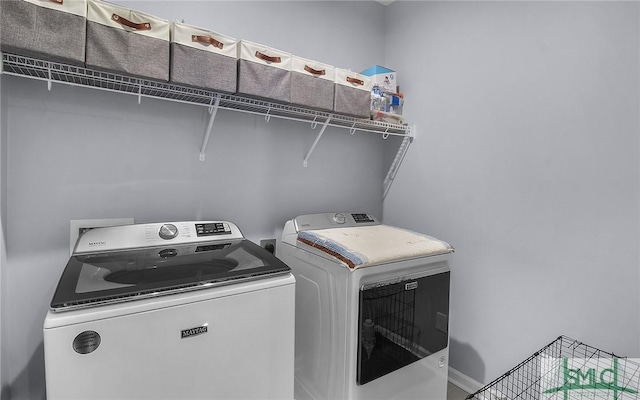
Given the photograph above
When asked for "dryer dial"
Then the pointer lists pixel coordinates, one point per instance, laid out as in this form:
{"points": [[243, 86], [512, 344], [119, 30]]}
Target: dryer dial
{"points": [[339, 218], [168, 231]]}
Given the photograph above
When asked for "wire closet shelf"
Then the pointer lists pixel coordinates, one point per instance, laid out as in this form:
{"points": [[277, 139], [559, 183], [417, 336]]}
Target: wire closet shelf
{"points": [[51, 72], [567, 369]]}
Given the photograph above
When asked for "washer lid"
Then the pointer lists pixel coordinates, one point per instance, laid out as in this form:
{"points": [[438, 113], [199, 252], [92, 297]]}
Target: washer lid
{"points": [[116, 276]]}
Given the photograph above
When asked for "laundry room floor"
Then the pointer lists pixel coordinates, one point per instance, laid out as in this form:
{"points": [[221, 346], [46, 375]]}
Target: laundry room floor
{"points": [[455, 393]]}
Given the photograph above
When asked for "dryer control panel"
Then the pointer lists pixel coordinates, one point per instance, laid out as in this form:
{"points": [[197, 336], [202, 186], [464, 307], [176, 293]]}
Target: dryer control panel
{"points": [[333, 220]]}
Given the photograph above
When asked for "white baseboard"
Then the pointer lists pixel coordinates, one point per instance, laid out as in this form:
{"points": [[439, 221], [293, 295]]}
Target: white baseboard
{"points": [[462, 381]]}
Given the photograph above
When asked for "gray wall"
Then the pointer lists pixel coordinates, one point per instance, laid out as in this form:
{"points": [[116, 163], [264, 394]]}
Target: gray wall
{"points": [[75, 153], [3, 252], [527, 161]]}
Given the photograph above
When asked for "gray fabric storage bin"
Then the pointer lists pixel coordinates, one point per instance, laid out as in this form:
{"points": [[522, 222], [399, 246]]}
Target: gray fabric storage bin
{"points": [[127, 41], [203, 58], [264, 72], [353, 94], [312, 84], [48, 30]]}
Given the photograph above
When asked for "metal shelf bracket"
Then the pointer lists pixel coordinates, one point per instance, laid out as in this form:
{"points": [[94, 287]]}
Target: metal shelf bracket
{"points": [[395, 165], [315, 142], [213, 110], [267, 116], [353, 129], [49, 80]]}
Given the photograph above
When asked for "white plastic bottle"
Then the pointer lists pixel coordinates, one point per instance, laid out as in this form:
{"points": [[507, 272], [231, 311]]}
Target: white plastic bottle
{"points": [[368, 336]]}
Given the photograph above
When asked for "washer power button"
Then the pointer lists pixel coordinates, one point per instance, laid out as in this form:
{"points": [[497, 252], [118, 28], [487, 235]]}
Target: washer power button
{"points": [[168, 231]]}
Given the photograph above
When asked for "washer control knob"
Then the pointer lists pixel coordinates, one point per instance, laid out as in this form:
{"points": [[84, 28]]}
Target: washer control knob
{"points": [[168, 231], [339, 218]]}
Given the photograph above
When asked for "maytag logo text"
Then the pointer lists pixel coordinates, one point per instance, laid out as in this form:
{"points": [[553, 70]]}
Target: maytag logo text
{"points": [[187, 333]]}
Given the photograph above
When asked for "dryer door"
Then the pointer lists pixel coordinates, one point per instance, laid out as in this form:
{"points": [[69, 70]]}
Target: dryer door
{"points": [[400, 323]]}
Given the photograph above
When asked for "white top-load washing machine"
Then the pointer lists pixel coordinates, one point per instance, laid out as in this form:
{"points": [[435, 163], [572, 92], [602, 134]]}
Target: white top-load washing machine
{"points": [[181, 310], [372, 308]]}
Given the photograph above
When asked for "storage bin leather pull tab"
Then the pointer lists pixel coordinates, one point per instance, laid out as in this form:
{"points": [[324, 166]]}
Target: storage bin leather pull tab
{"points": [[267, 58], [314, 71], [355, 81], [207, 40], [143, 26]]}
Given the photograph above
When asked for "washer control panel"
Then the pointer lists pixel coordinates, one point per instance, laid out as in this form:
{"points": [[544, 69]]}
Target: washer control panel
{"points": [[155, 234], [214, 228], [333, 220]]}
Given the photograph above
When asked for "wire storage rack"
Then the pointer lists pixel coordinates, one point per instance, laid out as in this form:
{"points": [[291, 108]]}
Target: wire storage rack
{"points": [[392, 309], [74, 75], [567, 369], [79, 76]]}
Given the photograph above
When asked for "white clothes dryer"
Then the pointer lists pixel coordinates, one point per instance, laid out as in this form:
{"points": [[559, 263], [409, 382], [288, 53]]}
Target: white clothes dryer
{"points": [[372, 308], [182, 310]]}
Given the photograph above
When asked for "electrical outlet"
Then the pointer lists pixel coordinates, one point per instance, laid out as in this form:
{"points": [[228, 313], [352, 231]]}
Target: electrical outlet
{"points": [[269, 245]]}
